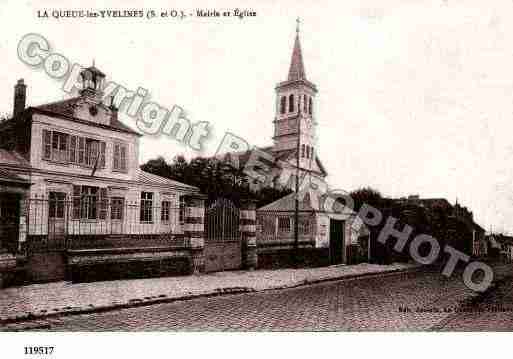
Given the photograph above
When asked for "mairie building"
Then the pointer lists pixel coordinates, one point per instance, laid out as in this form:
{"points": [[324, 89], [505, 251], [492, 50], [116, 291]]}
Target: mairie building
{"points": [[69, 172]]}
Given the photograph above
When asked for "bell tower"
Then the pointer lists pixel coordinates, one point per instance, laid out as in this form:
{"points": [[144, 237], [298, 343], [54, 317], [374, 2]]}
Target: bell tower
{"points": [[92, 83], [294, 123]]}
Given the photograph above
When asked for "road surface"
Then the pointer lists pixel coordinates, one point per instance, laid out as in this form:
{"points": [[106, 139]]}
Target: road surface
{"points": [[415, 301]]}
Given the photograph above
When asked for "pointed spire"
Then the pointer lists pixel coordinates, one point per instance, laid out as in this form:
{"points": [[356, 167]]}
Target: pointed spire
{"points": [[297, 68]]}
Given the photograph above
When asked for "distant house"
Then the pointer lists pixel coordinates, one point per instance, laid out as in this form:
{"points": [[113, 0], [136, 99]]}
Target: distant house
{"points": [[500, 246], [69, 171]]}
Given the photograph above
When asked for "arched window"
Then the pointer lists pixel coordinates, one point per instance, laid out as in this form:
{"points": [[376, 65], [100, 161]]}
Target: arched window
{"points": [[307, 151], [312, 152], [291, 103], [305, 104], [283, 104], [302, 150], [310, 105]]}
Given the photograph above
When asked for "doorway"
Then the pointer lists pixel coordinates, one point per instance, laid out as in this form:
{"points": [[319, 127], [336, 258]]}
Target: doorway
{"points": [[336, 241]]}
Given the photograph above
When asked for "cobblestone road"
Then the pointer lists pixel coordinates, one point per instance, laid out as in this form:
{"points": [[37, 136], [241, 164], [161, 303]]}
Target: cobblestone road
{"points": [[365, 304], [493, 313]]}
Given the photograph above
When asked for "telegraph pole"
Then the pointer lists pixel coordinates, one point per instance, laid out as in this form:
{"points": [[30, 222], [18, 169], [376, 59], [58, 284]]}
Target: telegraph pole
{"points": [[296, 197]]}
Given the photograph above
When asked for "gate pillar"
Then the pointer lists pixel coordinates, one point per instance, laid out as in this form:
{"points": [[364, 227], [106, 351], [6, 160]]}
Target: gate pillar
{"points": [[194, 230], [247, 228]]}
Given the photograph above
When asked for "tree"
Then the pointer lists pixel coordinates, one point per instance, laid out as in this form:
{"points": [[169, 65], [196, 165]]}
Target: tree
{"points": [[214, 177], [368, 196]]}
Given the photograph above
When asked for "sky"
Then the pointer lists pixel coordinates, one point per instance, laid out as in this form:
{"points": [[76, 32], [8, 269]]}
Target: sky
{"points": [[415, 97]]}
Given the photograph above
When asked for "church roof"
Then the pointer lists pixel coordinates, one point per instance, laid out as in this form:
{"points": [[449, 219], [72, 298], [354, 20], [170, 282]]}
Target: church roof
{"points": [[306, 204], [67, 107], [287, 203], [297, 67], [283, 155]]}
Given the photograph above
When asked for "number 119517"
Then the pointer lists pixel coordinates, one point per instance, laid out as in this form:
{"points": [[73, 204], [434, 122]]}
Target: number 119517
{"points": [[33, 350]]}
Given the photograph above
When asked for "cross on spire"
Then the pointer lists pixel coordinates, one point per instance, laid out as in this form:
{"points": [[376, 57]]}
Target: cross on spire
{"points": [[298, 22]]}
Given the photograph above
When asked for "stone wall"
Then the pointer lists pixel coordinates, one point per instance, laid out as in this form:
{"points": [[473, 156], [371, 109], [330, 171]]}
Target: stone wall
{"points": [[284, 258]]}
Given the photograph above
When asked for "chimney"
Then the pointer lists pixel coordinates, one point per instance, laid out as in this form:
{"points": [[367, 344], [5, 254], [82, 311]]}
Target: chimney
{"points": [[20, 97]]}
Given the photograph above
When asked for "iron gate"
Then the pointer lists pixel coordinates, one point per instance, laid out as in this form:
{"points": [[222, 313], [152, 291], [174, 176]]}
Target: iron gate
{"points": [[223, 250], [9, 221]]}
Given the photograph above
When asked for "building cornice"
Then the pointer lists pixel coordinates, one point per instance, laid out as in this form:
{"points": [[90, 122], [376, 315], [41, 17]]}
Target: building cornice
{"points": [[32, 170]]}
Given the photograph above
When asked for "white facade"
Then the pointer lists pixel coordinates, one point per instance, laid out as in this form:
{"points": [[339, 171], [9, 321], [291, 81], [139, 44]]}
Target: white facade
{"points": [[83, 167]]}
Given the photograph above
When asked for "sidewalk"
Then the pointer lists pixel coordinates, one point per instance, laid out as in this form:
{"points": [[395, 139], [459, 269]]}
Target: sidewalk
{"points": [[61, 298]]}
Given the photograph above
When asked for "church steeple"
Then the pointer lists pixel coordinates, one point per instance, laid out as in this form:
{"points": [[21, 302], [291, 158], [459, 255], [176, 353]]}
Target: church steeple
{"points": [[294, 123], [297, 68]]}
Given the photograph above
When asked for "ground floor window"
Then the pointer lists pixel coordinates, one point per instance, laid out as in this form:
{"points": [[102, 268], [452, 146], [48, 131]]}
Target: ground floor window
{"points": [[56, 202], [304, 226], [181, 214], [89, 202], [146, 210], [164, 211], [284, 224], [117, 205]]}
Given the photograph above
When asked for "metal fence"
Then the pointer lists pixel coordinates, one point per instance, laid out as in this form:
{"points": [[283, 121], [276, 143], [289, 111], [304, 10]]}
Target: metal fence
{"points": [[94, 222], [222, 221], [279, 226]]}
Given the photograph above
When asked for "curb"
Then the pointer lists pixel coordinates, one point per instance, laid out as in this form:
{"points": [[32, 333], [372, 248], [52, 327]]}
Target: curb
{"points": [[35, 318]]}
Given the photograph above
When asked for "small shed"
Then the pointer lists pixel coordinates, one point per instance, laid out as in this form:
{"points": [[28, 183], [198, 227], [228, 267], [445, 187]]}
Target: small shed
{"points": [[325, 237]]}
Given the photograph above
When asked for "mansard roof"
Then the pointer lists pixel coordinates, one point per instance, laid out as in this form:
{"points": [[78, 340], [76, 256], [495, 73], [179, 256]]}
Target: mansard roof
{"points": [[65, 108]]}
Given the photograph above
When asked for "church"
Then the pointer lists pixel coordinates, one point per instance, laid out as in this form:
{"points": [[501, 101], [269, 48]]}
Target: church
{"points": [[326, 237], [294, 137]]}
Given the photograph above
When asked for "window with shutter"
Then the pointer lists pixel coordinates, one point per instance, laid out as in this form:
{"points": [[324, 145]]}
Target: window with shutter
{"points": [[81, 150], [103, 203], [102, 155], [120, 157], [73, 149], [116, 157], [76, 202], [59, 147], [47, 144], [123, 158]]}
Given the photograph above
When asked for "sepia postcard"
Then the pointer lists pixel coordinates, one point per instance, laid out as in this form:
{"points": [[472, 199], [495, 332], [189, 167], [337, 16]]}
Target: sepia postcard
{"points": [[288, 167]]}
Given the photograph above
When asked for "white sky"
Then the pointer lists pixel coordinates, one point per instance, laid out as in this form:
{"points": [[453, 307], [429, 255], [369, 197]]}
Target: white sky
{"points": [[415, 97]]}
